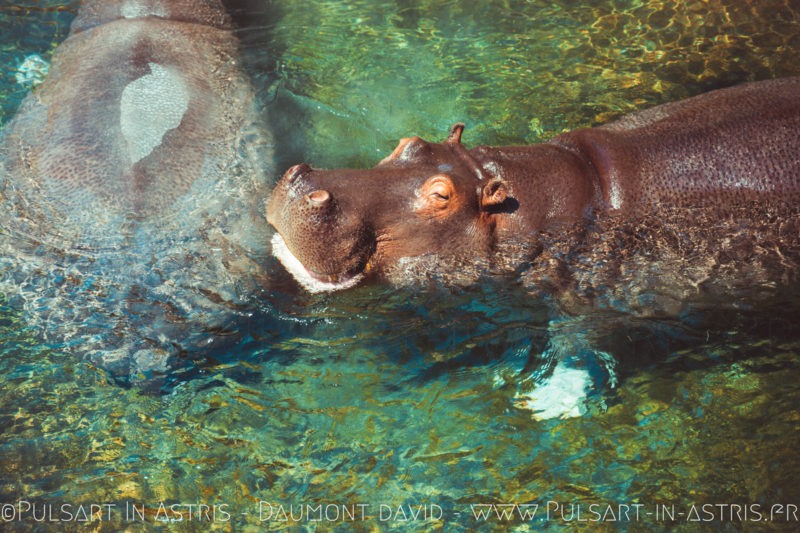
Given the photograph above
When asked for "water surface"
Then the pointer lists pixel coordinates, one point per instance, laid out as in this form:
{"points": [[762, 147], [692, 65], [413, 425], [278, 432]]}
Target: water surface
{"points": [[395, 409]]}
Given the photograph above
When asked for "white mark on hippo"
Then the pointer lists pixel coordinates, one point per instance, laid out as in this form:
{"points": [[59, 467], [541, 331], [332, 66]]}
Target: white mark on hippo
{"points": [[614, 194], [301, 274], [150, 106], [493, 169], [136, 8]]}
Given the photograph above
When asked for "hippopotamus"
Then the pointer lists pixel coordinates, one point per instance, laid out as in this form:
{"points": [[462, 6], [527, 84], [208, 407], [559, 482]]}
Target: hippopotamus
{"points": [[733, 150], [131, 185], [673, 211]]}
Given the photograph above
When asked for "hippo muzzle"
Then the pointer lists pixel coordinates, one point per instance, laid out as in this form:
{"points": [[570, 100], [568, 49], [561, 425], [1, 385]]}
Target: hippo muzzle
{"points": [[326, 245]]}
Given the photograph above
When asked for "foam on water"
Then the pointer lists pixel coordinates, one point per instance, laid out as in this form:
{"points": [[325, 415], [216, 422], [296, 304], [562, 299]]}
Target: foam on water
{"points": [[563, 395]]}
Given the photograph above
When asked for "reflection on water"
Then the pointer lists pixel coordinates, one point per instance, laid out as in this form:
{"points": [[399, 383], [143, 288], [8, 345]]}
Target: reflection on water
{"points": [[391, 404], [514, 71]]}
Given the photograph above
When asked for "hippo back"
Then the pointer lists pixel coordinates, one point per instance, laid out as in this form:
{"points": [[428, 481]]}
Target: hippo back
{"points": [[130, 181], [734, 146]]}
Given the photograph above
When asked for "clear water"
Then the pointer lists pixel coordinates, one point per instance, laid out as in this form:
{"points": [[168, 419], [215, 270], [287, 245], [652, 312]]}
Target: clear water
{"points": [[394, 409]]}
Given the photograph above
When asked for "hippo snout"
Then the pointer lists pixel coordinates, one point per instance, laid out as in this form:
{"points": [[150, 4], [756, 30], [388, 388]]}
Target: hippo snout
{"points": [[295, 182], [331, 244], [298, 183], [296, 172], [319, 199]]}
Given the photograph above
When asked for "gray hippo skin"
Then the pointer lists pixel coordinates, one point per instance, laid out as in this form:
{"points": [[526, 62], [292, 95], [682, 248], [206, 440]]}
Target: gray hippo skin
{"points": [[700, 170], [130, 186]]}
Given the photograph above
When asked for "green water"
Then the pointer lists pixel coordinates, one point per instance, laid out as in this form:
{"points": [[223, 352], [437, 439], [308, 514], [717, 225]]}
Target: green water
{"points": [[383, 409]]}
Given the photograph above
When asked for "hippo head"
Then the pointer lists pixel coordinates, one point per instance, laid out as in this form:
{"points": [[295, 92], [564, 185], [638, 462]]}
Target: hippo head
{"points": [[425, 199]]}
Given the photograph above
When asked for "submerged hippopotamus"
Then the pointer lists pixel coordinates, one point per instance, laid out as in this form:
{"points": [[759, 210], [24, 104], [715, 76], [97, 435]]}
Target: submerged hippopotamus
{"points": [[729, 157], [131, 185]]}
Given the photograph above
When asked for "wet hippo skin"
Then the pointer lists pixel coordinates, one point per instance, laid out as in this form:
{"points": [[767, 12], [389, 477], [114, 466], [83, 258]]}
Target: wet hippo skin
{"points": [[728, 154], [131, 185]]}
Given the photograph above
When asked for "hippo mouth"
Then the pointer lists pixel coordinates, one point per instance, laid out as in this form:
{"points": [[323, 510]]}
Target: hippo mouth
{"points": [[311, 281]]}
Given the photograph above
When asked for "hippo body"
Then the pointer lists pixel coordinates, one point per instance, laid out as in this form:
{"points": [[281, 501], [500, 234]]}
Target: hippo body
{"points": [[702, 169], [130, 183], [676, 219]]}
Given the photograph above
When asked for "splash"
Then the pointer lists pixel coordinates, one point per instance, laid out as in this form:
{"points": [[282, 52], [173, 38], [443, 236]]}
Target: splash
{"points": [[32, 71]]}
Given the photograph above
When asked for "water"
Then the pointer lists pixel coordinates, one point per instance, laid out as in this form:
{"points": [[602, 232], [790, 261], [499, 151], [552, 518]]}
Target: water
{"points": [[396, 409]]}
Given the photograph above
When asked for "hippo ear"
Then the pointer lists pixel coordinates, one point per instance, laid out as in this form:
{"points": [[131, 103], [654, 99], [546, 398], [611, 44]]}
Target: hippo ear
{"points": [[454, 137], [493, 193], [408, 150]]}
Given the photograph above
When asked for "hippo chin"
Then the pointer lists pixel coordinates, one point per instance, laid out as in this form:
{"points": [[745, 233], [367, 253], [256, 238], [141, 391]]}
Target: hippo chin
{"points": [[726, 158], [131, 183]]}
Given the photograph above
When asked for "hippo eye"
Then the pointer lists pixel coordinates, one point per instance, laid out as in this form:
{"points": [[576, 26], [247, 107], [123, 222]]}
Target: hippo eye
{"points": [[436, 196], [442, 194], [440, 191]]}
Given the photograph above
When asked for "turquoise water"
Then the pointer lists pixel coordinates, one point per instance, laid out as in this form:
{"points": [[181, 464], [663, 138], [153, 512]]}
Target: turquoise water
{"points": [[395, 409]]}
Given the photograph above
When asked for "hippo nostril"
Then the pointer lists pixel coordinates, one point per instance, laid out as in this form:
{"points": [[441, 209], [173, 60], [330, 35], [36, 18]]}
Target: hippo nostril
{"points": [[296, 172], [318, 198]]}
